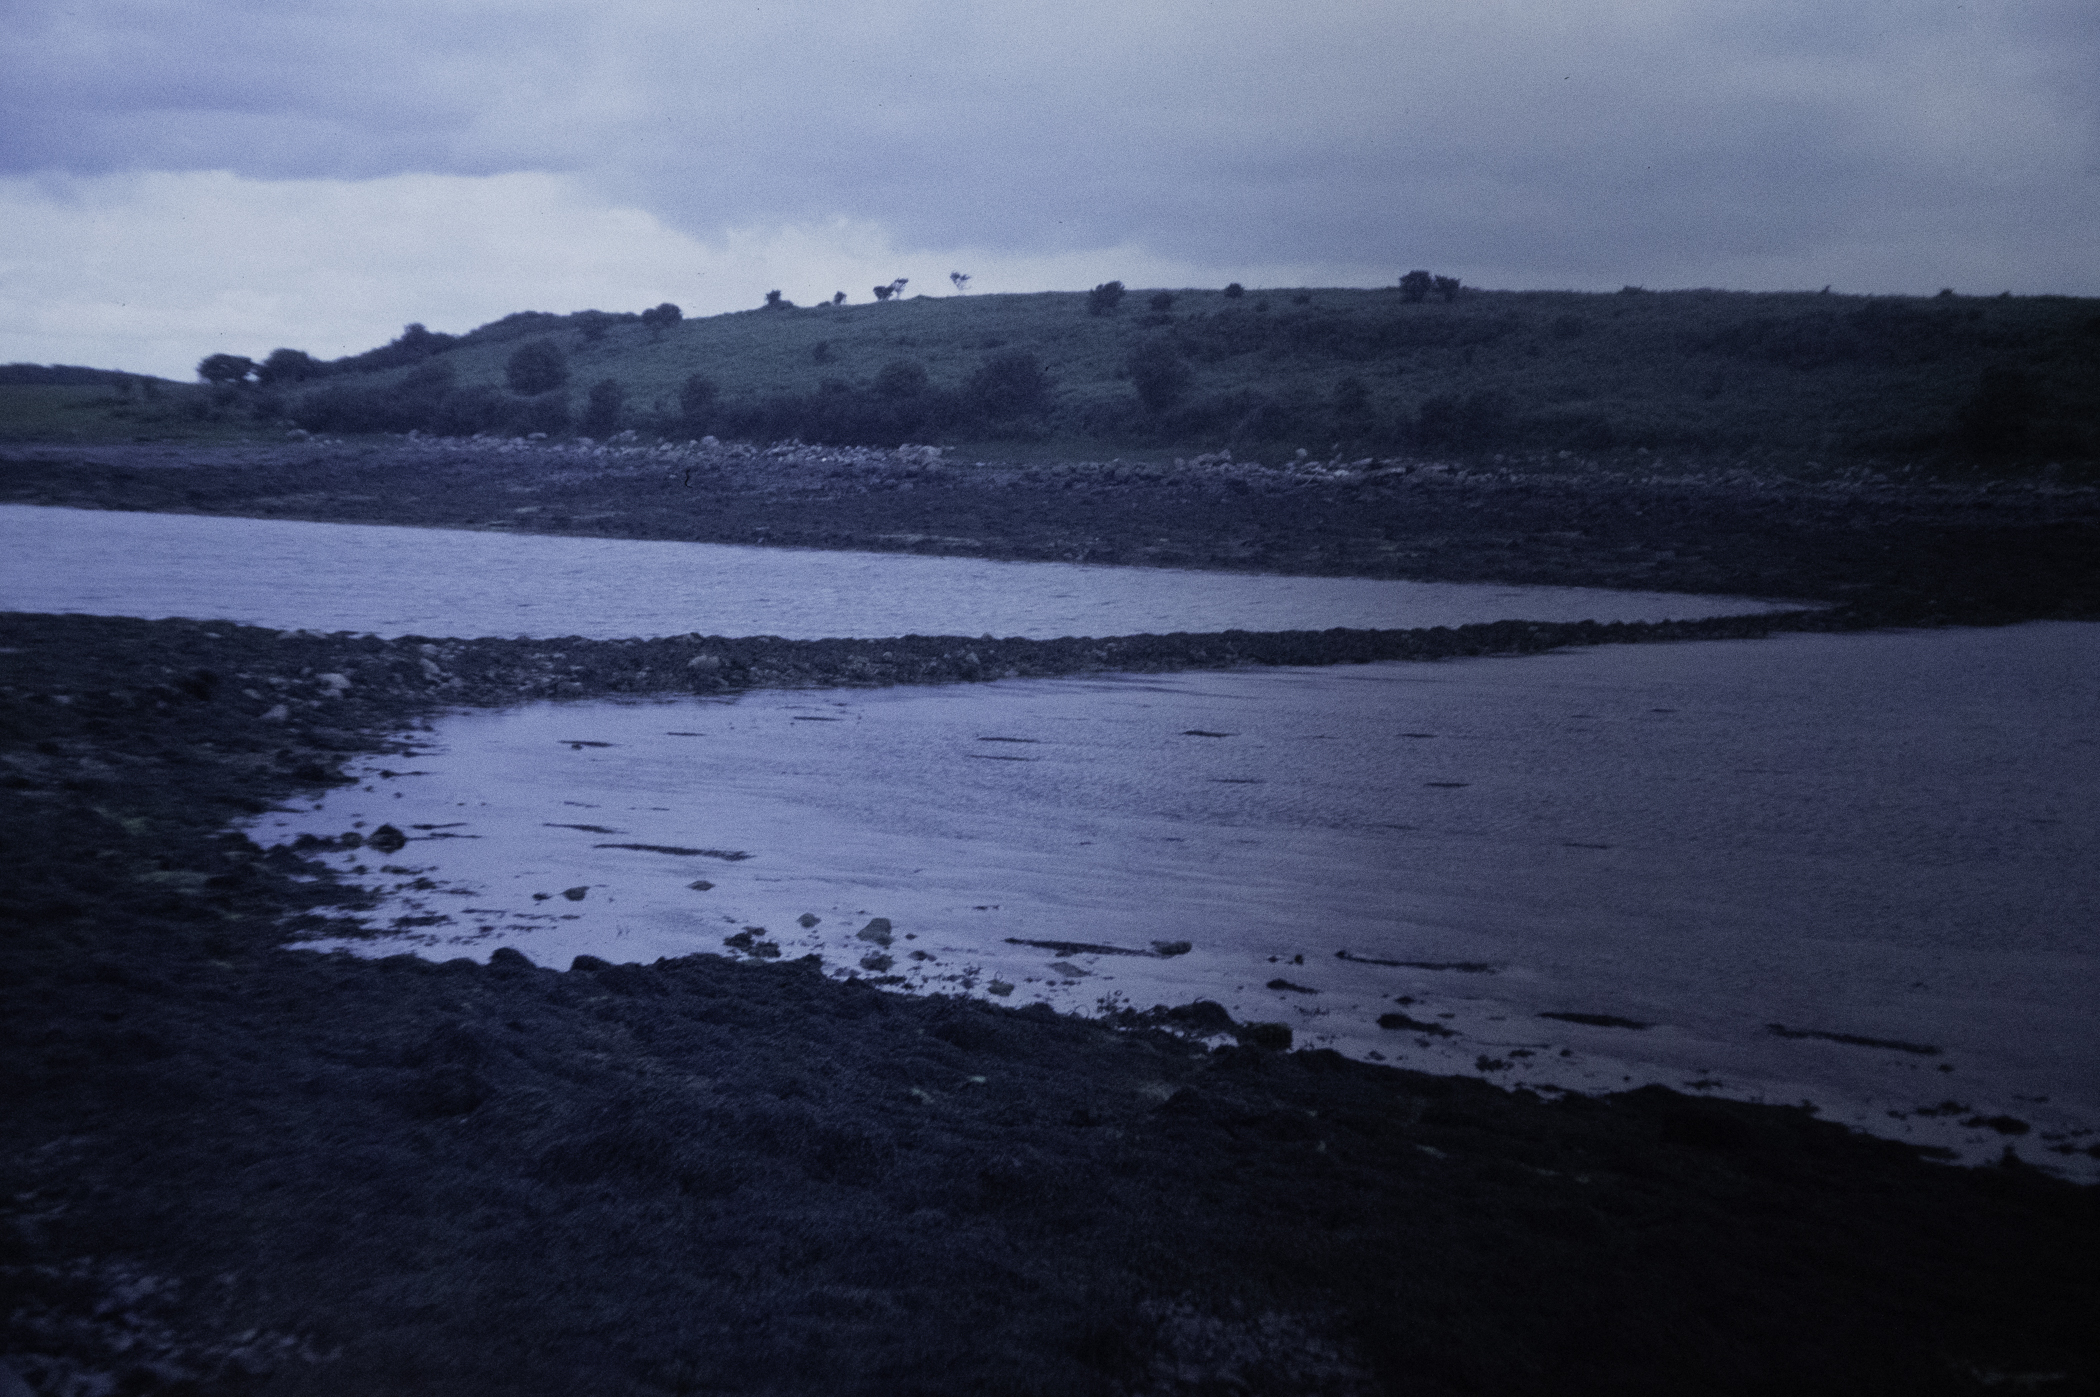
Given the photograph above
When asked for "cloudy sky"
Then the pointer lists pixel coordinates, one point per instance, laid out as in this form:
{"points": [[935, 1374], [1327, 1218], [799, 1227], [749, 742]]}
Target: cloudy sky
{"points": [[182, 179]]}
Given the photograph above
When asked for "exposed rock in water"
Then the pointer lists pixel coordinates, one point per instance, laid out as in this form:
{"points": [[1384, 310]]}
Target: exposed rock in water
{"points": [[1402, 1021], [1594, 1020], [1276, 1037]]}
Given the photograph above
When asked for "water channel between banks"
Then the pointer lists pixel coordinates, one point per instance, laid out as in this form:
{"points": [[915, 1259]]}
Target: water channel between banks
{"points": [[395, 581], [1854, 870]]}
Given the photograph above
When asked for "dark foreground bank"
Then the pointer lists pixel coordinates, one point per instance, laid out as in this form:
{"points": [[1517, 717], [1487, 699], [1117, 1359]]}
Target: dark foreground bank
{"points": [[228, 1167]]}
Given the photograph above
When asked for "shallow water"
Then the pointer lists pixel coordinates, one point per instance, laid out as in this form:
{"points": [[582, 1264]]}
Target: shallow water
{"points": [[451, 582], [1884, 837]]}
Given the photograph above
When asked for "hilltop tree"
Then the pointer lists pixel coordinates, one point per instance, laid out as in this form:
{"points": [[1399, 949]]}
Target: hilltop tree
{"points": [[1234, 291], [416, 339], [776, 301], [895, 288], [662, 317], [225, 368], [536, 368], [1104, 299], [289, 366], [1447, 287], [961, 280], [1416, 286], [838, 298]]}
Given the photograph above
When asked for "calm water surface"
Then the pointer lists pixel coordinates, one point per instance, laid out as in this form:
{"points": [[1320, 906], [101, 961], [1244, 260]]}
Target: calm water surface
{"points": [[450, 582], [1883, 844]]}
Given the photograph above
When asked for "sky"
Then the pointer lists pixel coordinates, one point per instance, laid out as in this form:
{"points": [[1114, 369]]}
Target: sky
{"points": [[178, 180]]}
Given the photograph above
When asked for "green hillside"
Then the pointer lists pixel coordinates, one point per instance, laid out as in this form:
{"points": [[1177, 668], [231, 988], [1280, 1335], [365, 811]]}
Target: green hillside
{"points": [[1364, 372]]}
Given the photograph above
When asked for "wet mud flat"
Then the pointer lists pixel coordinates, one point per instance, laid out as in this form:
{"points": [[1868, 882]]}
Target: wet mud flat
{"points": [[1909, 549], [226, 1166]]}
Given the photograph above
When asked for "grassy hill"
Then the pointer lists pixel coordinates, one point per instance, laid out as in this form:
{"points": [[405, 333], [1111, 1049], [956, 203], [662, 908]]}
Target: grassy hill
{"points": [[1354, 372]]}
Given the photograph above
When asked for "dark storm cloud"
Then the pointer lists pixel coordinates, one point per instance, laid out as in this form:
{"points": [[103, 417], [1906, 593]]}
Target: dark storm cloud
{"points": [[1554, 138]]}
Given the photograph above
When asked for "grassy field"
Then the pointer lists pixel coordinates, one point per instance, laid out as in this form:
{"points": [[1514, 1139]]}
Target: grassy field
{"points": [[85, 413], [1330, 371]]}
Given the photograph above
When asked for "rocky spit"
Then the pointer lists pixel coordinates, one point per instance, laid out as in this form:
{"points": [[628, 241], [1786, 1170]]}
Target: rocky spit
{"points": [[227, 1166], [1910, 546]]}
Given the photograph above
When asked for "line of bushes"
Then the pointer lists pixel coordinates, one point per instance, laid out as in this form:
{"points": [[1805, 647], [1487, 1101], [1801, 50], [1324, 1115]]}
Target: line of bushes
{"points": [[1008, 395]]}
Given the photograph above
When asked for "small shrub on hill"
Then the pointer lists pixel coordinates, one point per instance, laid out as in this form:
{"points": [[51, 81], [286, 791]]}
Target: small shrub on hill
{"points": [[900, 378], [1234, 291], [1104, 299], [1010, 384], [548, 413], [1416, 286], [601, 413], [466, 412], [419, 392], [225, 368], [535, 368], [696, 401], [1158, 373]]}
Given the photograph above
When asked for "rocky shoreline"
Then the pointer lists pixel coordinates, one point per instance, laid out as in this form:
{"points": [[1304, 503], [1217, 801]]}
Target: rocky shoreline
{"points": [[229, 1167], [1910, 549]]}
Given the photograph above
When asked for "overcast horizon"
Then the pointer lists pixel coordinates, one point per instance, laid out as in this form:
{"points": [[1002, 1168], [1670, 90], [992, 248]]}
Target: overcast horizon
{"points": [[234, 177]]}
